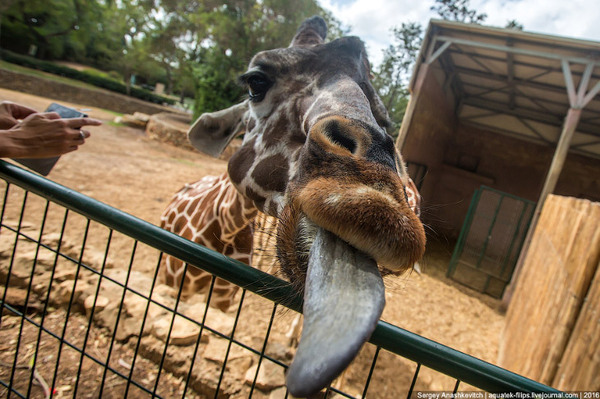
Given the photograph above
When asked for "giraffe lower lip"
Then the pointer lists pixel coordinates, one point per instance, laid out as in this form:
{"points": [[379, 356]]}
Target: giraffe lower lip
{"points": [[343, 300]]}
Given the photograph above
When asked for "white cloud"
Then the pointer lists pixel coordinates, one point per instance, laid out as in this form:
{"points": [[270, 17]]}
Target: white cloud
{"points": [[372, 20]]}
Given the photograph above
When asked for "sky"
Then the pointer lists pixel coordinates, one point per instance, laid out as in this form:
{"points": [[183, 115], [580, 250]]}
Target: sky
{"points": [[372, 20]]}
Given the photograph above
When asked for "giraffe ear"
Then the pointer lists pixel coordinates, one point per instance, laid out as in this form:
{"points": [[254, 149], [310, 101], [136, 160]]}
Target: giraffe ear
{"points": [[212, 132], [313, 31]]}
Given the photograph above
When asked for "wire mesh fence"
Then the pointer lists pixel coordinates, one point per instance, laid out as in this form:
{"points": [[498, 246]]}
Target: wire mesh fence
{"points": [[83, 315]]}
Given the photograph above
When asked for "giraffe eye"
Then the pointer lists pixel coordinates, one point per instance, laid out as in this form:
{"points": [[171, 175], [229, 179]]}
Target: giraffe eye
{"points": [[258, 85]]}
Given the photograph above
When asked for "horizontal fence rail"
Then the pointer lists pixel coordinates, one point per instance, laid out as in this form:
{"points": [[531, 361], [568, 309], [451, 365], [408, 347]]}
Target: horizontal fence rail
{"points": [[425, 352]]}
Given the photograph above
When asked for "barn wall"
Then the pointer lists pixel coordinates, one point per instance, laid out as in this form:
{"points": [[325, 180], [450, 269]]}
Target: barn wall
{"points": [[551, 333], [519, 167], [472, 157], [431, 128]]}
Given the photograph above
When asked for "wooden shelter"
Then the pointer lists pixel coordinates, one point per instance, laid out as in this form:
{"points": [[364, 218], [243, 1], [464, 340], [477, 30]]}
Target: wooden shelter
{"points": [[514, 111], [551, 333]]}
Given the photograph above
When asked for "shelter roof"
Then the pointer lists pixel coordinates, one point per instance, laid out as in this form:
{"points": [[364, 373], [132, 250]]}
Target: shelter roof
{"points": [[517, 83]]}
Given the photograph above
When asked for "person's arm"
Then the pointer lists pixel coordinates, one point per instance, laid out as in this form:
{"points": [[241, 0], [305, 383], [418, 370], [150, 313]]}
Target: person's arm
{"points": [[44, 135]]}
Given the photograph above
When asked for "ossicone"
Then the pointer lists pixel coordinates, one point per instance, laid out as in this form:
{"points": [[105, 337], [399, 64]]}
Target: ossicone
{"points": [[312, 32]]}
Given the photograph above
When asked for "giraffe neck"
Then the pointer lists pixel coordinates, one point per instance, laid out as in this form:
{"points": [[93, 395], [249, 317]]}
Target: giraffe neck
{"points": [[215, 211], [212, 213]]}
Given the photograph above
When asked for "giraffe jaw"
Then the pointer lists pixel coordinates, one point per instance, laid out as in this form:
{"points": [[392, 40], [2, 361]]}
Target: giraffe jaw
{"points": [[343, 300]]}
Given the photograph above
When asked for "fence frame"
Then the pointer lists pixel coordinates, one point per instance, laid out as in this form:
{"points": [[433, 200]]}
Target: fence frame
{"points": [[424, 352]]}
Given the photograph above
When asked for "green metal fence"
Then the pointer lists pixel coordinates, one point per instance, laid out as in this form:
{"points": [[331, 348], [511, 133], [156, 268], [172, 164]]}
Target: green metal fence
{"points": [[50, 339], [490, 241]]}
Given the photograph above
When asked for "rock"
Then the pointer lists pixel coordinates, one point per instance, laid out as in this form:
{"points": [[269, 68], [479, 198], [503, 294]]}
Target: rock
{"points": [[165, 128], [96, 260], [270, 376], [128, 327], [135, 305], [101, 304], [217, 349], [65, 274], [163, 290], [53, 239], [61, 293], [279, 393], [279, 351], [219, 321], [141, 117], [183, 333], [23, 262], [133, 121], [107, 317], [15, 297]]}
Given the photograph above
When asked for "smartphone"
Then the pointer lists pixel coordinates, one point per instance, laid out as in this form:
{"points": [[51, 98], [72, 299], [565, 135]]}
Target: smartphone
{"points": [[44, 165]]}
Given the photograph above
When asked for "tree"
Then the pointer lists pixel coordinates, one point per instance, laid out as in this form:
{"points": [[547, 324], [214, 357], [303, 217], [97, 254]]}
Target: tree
{"points": [[28, 23], [514, 24], [457, 10], [172, 41], [391, 78], [236, 30]]}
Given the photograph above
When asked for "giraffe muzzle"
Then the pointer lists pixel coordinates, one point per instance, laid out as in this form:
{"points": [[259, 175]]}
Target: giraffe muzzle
{"points": [[344, 297]]}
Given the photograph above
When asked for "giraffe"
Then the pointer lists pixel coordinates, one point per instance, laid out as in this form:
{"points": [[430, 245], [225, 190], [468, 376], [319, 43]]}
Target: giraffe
{"points": [[316, 156], [210, 212]]}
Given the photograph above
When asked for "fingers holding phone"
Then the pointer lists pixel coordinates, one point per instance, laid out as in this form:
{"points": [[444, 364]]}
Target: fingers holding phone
{"points": [[38, 140], [43, 136]]}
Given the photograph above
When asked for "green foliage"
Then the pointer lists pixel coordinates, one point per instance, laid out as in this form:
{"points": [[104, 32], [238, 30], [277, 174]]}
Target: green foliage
{"points": [[84, 76], [391, 78], [458, 10], [231, 33], [192, 46], [514, 24]]}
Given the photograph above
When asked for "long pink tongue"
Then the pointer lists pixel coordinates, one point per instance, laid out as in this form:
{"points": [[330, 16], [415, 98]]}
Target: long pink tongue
{"points": [[343, 300]]}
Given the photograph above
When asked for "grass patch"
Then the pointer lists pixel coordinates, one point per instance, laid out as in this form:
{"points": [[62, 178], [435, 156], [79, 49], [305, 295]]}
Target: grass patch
{"points": [[186, 162], [115, 124]]}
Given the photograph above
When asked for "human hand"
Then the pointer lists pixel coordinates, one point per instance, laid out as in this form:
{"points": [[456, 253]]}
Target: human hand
{"points": [[44, 135], [11, 113]]}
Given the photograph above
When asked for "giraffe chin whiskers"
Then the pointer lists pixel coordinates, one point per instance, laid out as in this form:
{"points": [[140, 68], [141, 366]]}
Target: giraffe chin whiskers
{"points": [[374, 221]]}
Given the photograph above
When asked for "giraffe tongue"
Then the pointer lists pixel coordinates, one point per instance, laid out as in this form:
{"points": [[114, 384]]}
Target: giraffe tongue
{"points": [[343, 300]]}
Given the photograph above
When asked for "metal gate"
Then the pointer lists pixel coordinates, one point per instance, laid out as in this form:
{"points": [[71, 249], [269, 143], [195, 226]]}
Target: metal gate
{"points": [[490, 241], [87, 323]]}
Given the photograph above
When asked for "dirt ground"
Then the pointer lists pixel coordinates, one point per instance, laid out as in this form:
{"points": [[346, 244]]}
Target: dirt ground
{"points": [[120, 166]]}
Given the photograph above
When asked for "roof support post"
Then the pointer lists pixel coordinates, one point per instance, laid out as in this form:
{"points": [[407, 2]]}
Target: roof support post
{"points": [[412, 103], [560, 154], [562, 148], [578, 100]]}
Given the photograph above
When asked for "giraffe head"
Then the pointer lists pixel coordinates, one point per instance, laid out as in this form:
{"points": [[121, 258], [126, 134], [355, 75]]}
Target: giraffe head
{"points": [[316, 155]]}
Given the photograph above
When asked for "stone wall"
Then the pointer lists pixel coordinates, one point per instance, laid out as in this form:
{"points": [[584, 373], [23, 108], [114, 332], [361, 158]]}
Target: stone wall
{"points": [[64, 92], [172, 129]]}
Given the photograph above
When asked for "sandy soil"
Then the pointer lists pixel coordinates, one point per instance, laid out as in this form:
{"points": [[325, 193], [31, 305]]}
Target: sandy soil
{"points": [[120, 166]]}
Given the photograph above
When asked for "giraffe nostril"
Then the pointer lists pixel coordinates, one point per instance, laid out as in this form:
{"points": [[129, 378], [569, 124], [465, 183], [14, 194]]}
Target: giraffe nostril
{"points": [[336, 134]]}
